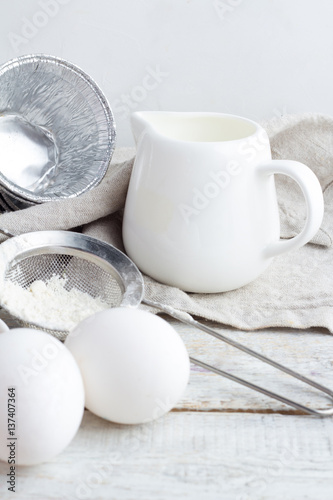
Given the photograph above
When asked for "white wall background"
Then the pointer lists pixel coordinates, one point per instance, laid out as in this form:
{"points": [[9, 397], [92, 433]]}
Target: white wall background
{"points": [[256, 58]]}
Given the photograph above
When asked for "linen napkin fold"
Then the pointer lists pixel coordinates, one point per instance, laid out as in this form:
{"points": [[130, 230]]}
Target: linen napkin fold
{"points": [[295, 291]]}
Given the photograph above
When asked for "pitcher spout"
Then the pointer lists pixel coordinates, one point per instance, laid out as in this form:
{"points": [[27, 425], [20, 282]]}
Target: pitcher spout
{"points": [[161, 123], [139, 123]]}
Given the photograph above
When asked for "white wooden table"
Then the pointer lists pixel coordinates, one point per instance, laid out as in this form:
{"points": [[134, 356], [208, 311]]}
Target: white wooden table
{"points": [[222, 441]]}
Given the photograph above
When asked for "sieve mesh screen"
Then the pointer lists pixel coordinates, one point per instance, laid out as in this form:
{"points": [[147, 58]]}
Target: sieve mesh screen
{"points": [[85, 276], [79, 273]]}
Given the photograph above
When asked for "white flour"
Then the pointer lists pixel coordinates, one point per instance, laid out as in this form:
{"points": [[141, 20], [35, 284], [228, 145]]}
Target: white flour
{"points": [[49, 304]]}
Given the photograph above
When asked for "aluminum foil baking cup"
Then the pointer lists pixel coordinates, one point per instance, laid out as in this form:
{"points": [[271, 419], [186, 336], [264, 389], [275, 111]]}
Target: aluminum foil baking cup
{"points": [[57, 131]]}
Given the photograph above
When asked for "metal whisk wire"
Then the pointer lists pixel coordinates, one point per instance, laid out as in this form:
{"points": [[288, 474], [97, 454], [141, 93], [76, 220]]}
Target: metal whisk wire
{"points": [[189, 320], [91, 263]]}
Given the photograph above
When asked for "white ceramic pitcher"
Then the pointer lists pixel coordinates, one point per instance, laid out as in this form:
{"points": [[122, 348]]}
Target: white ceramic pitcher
{"points": [[201, 212]]}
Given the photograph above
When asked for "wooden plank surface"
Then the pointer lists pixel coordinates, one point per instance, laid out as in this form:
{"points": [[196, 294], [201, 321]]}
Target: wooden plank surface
{"points": [[222, 441], [189, 455], [310, 353]]}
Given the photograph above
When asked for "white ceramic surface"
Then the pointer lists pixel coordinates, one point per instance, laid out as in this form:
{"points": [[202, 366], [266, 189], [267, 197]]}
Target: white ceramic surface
{"points": [[201, 211]]}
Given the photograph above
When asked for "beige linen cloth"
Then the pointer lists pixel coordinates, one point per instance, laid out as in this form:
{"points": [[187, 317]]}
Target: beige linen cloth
{"points": [[295, 291]]}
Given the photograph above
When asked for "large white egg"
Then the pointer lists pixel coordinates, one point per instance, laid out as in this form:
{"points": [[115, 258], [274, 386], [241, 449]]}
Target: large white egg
{"points": [[46, 404], [134, 365]]}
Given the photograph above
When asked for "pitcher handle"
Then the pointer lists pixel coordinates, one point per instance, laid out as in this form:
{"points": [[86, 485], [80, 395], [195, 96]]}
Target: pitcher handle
{"points": [[313, 195]]}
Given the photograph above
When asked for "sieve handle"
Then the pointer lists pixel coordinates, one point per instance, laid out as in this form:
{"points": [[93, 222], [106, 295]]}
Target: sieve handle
{"points": [[189, 320]]}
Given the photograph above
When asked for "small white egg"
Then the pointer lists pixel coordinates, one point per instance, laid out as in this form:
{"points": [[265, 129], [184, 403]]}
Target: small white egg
{"points": [[42, 384], [134, 365], [3, 326]]}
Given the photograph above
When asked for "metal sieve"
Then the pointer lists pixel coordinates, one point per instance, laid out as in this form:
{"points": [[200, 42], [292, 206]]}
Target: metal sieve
{"points": [[88, 265], [100, 270]]}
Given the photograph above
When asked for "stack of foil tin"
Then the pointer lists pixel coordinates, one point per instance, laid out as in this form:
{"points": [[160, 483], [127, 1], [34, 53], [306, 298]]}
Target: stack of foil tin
{"points": [[57, 132]]}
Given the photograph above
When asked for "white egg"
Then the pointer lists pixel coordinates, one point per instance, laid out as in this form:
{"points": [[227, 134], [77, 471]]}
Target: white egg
{"points": [[134, 365], [42, 384], [3, 326]]}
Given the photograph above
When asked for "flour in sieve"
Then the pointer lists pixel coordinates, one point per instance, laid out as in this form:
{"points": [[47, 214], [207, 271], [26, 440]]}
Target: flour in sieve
{"points": [[49, 304]]}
